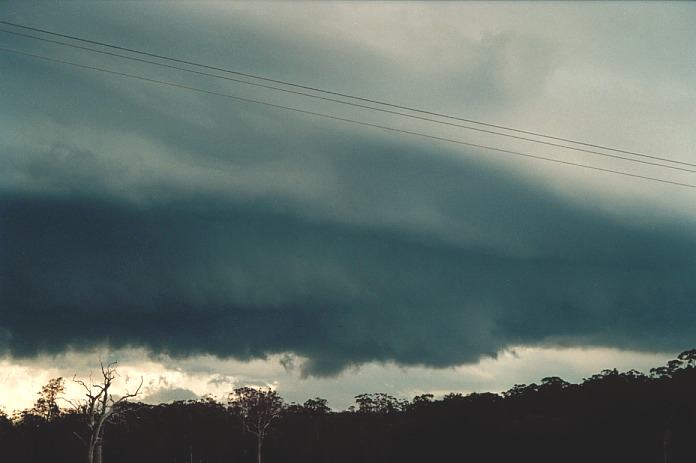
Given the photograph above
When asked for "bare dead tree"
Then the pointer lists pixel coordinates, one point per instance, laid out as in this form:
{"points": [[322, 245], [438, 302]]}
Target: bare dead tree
{"points": [[257, 409], [98, 408]]}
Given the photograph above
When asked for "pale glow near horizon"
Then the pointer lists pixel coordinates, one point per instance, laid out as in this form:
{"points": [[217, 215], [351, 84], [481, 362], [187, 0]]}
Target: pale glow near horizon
{"points": [[21, 379]]}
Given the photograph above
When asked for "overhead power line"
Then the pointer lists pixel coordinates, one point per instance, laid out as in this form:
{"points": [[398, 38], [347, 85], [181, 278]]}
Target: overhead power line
{"points": [[348, 103], [343, 119], [346, 95]]}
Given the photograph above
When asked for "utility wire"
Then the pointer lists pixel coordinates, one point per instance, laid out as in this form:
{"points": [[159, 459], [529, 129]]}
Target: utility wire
{"points": [[294, 92], [342, 119], [346, 95]]}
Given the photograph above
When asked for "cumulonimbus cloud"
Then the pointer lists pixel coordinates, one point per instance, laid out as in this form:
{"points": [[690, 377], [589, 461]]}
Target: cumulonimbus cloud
{"points": [[211, 275], [141, 216]]}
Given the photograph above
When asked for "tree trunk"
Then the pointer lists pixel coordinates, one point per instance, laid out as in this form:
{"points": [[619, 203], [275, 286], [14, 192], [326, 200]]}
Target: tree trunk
{"points": [[90, 449], [259, 442], [98, 452]]}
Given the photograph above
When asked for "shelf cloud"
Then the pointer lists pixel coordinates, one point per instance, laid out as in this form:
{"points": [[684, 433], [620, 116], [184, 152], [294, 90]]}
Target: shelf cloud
{"points": [[134, 215]]}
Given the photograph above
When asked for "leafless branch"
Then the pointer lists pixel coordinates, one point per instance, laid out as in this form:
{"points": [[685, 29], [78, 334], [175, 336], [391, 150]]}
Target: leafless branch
{"points": [[79, 437]]}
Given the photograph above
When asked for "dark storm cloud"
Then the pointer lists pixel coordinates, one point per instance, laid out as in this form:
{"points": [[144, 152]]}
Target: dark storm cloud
{"points": [[140, 216], [234, 279]]}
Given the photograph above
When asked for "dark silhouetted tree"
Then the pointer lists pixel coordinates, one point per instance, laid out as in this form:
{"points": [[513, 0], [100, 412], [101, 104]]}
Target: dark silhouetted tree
{"points": [[257, 409], [688, 358], [421, 401], [380, 403], [610, 417], [316, 405], [46, 405]]}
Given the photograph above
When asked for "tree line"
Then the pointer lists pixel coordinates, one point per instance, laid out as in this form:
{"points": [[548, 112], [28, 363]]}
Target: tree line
{"points": [[611, 416]]}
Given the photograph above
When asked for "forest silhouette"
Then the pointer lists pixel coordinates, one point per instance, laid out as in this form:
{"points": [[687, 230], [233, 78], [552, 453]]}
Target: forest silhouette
{"points": [[611, 416]]}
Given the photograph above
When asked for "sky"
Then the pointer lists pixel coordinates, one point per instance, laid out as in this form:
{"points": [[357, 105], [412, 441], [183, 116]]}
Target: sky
{"points": [[208, 243]]}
